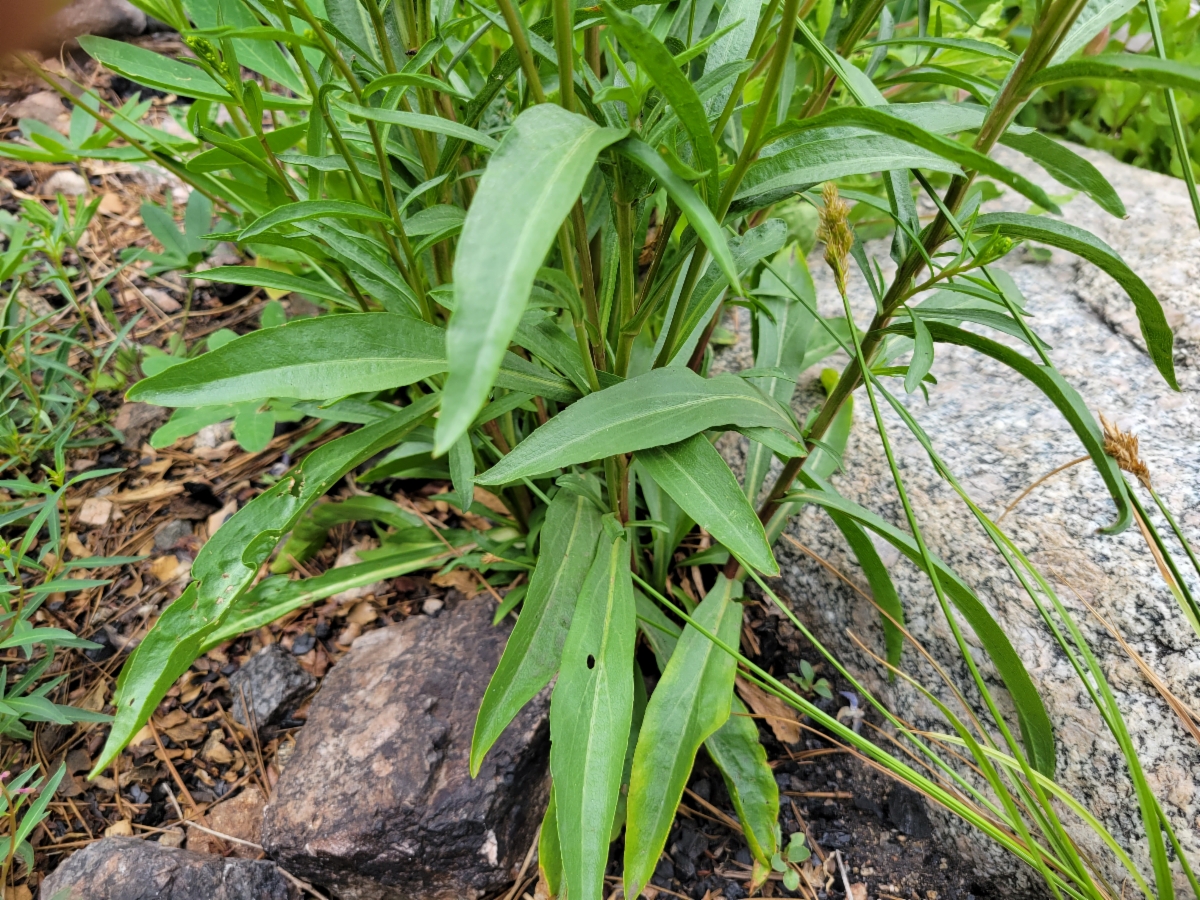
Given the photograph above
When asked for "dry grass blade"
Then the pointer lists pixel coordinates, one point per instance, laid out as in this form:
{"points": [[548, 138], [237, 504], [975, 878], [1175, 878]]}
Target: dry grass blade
{"points": [[1029, 490]]}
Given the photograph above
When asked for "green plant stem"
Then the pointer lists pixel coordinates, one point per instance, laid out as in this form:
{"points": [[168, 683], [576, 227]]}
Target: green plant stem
{"points": [[627, 275], [516, 31], [1004, 108], [1178, 126], [564, 45]]}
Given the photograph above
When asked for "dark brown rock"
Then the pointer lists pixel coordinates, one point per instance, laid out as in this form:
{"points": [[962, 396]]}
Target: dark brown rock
{"points": [[121, 868], [377, 802]]}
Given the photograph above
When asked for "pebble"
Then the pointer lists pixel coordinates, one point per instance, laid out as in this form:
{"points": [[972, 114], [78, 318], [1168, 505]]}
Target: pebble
{"points": [[432, 606], [65, 182]]}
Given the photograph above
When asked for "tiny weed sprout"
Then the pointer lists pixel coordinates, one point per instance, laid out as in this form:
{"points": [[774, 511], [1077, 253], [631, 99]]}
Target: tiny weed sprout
{"points": [[524, 228]]}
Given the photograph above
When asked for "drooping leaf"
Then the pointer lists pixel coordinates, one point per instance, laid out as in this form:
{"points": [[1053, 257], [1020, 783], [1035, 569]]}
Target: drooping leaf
{"points": [[421, 122], [275, 597], [1160, 340], [699, 480], [663, 406], [530, 184], [462, 470], [256, 276], [1064, 397], [922, 355], [698, 214], [322, 358], [549, 853], [690, 702], [311, 532], [812, 157], [742, 760], [227, 565], [782, 344], [1096, 14], [1067, 167], [1149, 71], [876, 120], [531, 657], [1036, 729], [590, 714]]}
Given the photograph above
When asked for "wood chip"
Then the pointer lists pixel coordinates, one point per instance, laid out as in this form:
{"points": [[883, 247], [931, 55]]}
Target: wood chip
{"points": [[780, 716], [165, 568], [215, 751], [490, 501], [95, 511], [122, 828], [362, 613]]}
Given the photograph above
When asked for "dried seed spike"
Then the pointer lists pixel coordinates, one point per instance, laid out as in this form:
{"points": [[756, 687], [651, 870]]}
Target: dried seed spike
{"points": [[1123, 447], [835, 231]]}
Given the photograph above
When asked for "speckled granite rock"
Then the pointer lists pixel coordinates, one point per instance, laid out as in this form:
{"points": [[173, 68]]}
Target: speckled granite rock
{"points": [[121, 868], [999, 434], [377, 802]]}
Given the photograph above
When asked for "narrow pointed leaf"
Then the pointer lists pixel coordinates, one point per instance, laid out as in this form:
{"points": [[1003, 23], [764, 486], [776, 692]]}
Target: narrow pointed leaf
{"points": [[1065, 398], [698, 214], [878, 121], [421, 122], [462, 470], [529, 186], [535, 646], [227, 565], [699, 480], [742, 760], [655, 60], [1160, 340], [661, 406], [690, 702], [153, 69], [1036, 729], [311, 209], [590, 714], [1067, 167], [1149, 71]]}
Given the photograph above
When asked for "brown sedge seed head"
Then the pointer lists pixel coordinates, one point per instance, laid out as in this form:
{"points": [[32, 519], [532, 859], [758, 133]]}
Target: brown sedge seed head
{"points": [[834, 229], [1123, 447]]}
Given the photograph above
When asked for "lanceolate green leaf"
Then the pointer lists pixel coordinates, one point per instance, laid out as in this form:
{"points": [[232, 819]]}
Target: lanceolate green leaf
{"points": [[1149, 71], [462, 470], [690, 702], [531, 657], [1067, 167], [660, 407], [699, 480], [1036, 730], [827, 153], [227, 565], [782, 344], [323, 358], [1160, 340], [742, 759], [529, 186], [277, 596], [734, 747], [311, 209], [875, 120], [883, 589], [421, 122], [1096, 14], [655, 61], [1065, 398], [698, 214], [153, 69], [590, 714]]}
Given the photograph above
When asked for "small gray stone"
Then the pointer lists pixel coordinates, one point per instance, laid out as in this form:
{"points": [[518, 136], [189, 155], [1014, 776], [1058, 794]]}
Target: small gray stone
{"points": [[166, 536], [65, 182], [377, 801], [213, 436], [432, 606], [273, 683], [162, 300], [123, 868], [107, 18], [43, 106]]}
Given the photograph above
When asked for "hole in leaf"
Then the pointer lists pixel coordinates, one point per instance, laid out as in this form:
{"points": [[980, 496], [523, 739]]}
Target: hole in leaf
{"points": [[591, 661]]}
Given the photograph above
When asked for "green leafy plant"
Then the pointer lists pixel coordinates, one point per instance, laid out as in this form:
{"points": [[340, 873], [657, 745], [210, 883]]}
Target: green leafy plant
{"points": [[808, 682], [33, 515], [526, 232]]}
